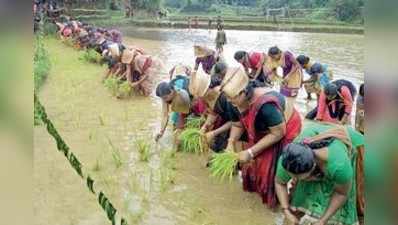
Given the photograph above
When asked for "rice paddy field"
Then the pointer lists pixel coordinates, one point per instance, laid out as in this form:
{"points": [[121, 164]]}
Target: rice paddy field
{"points": [[149, 183]]}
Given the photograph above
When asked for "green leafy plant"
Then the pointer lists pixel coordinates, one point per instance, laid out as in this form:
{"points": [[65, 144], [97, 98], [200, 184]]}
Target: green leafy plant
{"points": [[143, 150], [167, 168], [124, 89], [192, 141], [117, 158], [111, 83], [223, 165], [41, 62]]}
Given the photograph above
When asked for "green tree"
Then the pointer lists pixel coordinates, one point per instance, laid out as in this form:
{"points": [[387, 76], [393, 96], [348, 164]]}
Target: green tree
{"points": [[174, 3], [346, 10], [206, 3]]}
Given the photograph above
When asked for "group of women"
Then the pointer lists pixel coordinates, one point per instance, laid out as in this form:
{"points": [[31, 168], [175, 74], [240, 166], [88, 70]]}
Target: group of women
{"points": [[126, 63], [312, 169]]}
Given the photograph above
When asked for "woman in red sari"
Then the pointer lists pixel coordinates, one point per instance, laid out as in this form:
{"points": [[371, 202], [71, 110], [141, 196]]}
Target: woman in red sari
{"points": [[269, 126], [254, 65]]}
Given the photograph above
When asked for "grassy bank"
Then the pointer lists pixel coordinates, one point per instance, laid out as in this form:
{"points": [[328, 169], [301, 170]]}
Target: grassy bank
{"points": [[41, 62], [41, 68], [235, 23]]}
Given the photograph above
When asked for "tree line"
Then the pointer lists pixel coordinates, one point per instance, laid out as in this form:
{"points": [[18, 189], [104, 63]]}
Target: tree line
{"points": [[341, 10]]}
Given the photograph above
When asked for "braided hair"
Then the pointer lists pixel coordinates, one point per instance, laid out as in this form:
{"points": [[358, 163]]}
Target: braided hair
{"points": [[299, 158]]}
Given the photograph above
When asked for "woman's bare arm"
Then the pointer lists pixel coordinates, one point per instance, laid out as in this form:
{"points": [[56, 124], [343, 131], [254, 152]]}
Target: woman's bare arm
{"points": [[234, 134], [339, 197], [276, 134]]}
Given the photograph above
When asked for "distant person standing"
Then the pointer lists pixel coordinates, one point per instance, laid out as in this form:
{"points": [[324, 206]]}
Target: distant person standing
{"points": [[210, 22], [189, 23], [196, 22], [221, 39]]}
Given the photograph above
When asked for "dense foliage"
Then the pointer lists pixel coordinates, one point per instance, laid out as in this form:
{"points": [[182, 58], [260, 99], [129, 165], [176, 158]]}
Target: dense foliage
{"points": [[342, 10]]}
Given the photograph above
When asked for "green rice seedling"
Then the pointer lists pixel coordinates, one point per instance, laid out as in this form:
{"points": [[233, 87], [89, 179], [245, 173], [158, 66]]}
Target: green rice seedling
{"points": [[112, 84], [167, 168], [91, 56], [101, 120], [222, 165], [194, 122], [117, 158], [192, 141], [97, 166], [143, 150], [124, 90]]}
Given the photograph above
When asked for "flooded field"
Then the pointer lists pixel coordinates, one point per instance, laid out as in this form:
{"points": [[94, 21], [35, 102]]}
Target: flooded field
{"points": [[170, 189]]}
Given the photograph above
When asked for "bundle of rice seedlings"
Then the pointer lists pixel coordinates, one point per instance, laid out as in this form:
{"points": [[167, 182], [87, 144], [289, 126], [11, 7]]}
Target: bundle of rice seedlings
{"points": [[194, 122], [192, 141], [112, 84], [223, 165], [143, 150], [124, 89]]}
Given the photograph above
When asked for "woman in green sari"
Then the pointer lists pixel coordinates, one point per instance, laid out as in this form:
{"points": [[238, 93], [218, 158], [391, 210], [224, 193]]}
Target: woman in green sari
{"points": [[322, 165]]}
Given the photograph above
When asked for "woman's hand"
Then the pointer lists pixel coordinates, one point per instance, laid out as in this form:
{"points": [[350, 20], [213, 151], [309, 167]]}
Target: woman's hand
{"points": [[159, 135], [134, 84], [209, 136], [285, 81], [230, 147], [290, 218], [244, 156], [203, 129]]}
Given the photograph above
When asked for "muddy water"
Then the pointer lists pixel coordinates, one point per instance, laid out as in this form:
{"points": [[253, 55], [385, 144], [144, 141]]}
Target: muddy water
{"points": [[168, 189], [344, 54]]}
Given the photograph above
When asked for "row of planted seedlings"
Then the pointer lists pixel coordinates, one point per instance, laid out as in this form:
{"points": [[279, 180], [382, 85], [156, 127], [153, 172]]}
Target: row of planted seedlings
{"points": [[222, 166], [116, 86]]}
